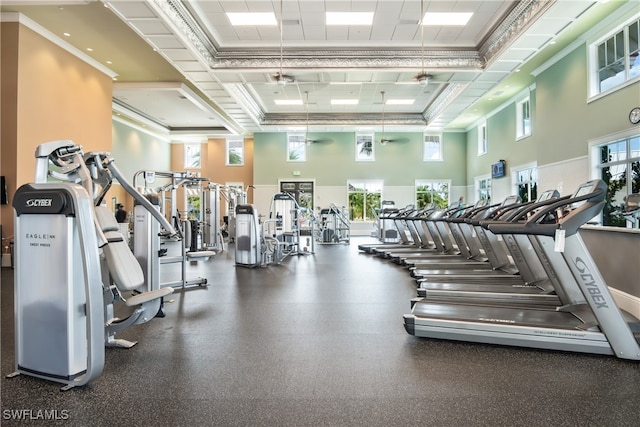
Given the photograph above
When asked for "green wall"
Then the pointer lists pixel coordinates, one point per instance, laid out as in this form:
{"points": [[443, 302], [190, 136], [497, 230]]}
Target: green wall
{"points": [[332, 161], [134, 150], [566, 121], [503, 144]]}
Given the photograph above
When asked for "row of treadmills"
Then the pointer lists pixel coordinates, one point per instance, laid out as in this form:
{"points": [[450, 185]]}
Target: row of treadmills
{"points": [[514, 274]]}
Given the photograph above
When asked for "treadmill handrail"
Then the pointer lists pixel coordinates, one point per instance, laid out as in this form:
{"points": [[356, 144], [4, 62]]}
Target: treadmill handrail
{"points": [[522, 212], [594, 202]]}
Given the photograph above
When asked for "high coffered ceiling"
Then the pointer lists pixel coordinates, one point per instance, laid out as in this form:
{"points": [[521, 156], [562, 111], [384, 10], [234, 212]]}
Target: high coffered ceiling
{"points": [[182, 66]]}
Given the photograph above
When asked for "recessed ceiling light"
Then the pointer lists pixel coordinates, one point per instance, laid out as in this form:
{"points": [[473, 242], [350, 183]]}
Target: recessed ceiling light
{"points": [[109, 62], [349, 18], [400, 101], [344, 102], [89, 49], [446, 18], [66, 34], [252, 18], [288, 101]]}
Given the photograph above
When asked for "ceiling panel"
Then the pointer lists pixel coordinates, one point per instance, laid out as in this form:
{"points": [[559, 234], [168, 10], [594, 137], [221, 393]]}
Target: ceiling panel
{"points": [[249, 91]]}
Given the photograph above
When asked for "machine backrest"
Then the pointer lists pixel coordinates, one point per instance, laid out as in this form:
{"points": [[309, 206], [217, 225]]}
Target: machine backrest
{"points": [[124, 269]]}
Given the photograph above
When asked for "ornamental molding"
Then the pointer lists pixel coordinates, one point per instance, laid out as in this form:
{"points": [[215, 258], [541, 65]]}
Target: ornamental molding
{"points": [[179, 18], [519, 19], [322, 59], [339, 119], [446, 97]]}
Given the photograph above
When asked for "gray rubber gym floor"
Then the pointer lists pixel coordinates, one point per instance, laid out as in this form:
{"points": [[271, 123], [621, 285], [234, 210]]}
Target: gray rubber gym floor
{"points": [[315, 341]]}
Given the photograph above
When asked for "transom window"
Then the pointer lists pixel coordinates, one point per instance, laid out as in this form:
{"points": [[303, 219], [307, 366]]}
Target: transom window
{"points": [[617, 57], [192, 156], [296, 148], [432, 148], [365, 148], [235, 152], [482, 139], [523, 114]]}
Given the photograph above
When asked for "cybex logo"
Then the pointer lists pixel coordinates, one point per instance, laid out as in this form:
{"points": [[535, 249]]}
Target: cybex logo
{"points": [[590, 283], [38, 202]]}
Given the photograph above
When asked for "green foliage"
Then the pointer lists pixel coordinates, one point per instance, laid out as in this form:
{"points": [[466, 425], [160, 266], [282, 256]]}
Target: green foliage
{"points": [[364, 205], [193, 207], [234, 158]]}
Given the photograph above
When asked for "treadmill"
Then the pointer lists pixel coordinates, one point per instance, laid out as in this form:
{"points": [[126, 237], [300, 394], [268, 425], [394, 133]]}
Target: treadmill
{"points": [[594, 325], [396, 216], [410, 225], [536, 282], [441, 246], [495, 249], [430, 241]]}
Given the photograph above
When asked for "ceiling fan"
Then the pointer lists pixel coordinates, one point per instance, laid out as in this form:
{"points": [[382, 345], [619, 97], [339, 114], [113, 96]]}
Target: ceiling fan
{"points": [[280, 77], [308, 140], [383, 140], [423, 77]]}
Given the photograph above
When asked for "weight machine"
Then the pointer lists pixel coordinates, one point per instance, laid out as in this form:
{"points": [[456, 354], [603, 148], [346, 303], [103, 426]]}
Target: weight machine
{"points": [[334, 226], [64, 307], [199, 240], [276, 238]]}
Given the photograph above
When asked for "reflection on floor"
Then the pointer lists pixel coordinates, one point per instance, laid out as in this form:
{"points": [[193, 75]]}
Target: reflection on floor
{"points": [[315, 341]]}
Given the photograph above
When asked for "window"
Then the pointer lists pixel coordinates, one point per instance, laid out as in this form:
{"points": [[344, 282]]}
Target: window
{"points": [[432, 148], [619, 166], [483, 188], [235, 152], [526, 183], [523, 114], [233, 194], [364, 148], [364, 199], [617, 58], [194, 202], [482, 139], [296, 148], [192, 156], [436, 192], [302, 192]]}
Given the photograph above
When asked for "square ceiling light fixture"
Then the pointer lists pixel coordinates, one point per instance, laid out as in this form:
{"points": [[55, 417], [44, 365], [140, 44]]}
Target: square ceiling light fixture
{"points": [[446, 18], [252, 18], [349, 18]]}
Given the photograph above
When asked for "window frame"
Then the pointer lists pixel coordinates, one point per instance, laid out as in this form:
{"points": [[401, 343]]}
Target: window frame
{"points": [[425, 141], [483, 139], [597, 165], [515, 184], [197, 152], [351, 182], [427, 182], [228, 151], [478, 192], [594, 67], [303, 147], [522, 130], [360, 157]]}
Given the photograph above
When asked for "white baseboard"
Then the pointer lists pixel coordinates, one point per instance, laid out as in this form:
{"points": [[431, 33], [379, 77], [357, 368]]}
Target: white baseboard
{"points": [[628, 303]]}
